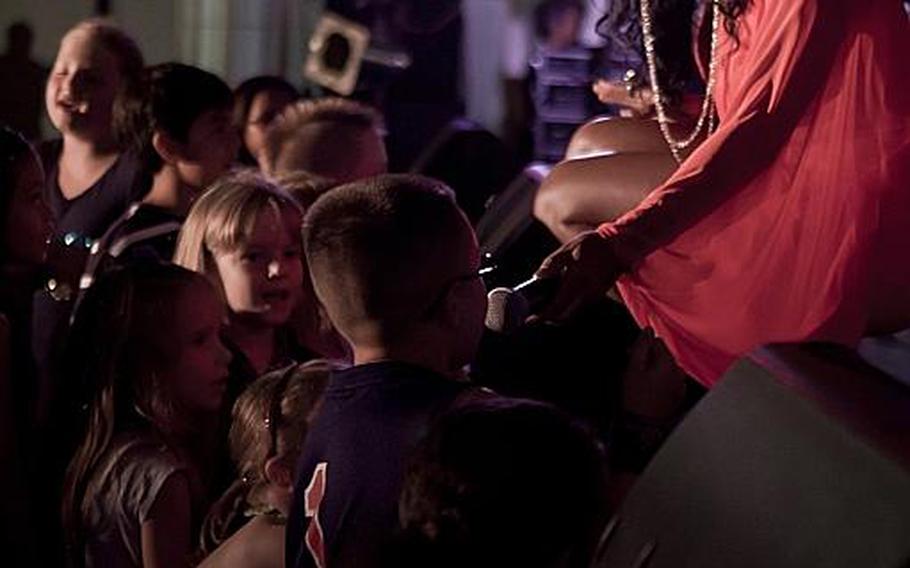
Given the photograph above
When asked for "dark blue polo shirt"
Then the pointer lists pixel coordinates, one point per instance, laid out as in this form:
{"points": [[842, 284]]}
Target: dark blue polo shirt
{"points": [[350, 471]]}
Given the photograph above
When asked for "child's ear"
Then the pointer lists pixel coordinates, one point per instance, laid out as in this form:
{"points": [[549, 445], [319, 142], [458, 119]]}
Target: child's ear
{"points": [[453, 306], [167, 147], [278, 473]]}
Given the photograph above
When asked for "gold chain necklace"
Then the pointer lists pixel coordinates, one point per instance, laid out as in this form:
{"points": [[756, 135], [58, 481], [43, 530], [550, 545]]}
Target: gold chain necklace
{"points": [[707, 108]]}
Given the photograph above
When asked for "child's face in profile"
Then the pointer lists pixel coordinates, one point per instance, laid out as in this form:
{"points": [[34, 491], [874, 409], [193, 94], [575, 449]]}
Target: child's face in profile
{"points": [[210, 148], [199, 376], [30, 223], [263, 278], [264, 108], [470, 297], [82, 86]]}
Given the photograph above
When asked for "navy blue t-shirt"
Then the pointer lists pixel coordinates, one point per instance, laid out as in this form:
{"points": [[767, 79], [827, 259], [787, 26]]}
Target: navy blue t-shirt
{"points": [[354, 458], [91, 213], [79, 222]]}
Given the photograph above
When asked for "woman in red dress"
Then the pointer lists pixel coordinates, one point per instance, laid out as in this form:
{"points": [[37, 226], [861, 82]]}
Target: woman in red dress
{"points": [[789, 222]]}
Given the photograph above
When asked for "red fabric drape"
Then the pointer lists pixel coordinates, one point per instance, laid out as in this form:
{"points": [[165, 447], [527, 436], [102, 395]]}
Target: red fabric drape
{"points": [[792, 221]]}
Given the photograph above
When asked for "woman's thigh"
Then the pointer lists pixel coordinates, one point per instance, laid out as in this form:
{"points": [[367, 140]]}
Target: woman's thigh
{"points": [[582, 193]]}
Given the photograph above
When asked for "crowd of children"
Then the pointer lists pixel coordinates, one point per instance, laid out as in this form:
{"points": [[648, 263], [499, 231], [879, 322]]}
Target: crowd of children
{"points": [[221, 317]]}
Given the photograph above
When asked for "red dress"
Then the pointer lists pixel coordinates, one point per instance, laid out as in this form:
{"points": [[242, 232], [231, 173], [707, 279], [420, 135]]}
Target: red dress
{"points": [[792, 221]]}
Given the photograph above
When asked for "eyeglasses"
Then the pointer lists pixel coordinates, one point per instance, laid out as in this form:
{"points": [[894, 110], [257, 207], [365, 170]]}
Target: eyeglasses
{"points": [[437, 302]]}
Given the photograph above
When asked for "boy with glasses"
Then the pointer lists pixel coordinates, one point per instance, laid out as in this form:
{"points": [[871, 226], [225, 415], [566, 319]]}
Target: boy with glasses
{"points": [[395, 263]]}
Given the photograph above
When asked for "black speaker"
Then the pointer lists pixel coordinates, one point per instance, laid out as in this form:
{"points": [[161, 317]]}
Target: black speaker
{"points": [[471, 160], [509, 236], [799, 458]]}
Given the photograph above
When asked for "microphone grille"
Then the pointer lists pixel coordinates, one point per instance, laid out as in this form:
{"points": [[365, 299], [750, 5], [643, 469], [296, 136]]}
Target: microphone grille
{"points": [[506, 310]]}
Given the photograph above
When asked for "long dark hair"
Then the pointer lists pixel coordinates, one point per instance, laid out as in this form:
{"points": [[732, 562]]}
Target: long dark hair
{"points": [[118, 342], [243, 102], [673, 34]]}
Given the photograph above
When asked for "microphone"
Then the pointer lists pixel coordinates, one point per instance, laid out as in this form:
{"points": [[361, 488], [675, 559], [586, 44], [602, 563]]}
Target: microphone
{"points": [[508, 308]]}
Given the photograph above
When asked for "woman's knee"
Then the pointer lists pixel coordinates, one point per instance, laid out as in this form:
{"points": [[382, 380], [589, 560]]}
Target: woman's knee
{"points": [[606, 135]]}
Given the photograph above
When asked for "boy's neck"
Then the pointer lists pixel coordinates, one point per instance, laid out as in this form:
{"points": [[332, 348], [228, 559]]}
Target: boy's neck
{"points": [[169, 193], [278, 498], [424, 356], [256, 342]]}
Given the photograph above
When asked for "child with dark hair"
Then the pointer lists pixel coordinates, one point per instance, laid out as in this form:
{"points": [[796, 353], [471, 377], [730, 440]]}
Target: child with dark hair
{"points": [[147, 361], [395, 263], [181, 129], [257, 103], [503, 482]]}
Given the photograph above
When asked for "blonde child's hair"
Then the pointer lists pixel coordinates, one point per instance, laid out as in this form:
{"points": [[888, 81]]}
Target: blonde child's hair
{"points": [[270, 419], [116, 41], [224, 217], [130, 63]]}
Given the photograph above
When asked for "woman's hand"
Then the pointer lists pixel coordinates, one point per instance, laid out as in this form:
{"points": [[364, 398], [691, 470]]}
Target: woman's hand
{"points": [[586, 266], [640, 101]]}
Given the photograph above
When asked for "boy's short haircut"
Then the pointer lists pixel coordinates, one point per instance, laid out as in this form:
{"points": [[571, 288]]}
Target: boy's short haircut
{"points": [[172, 96], [381, 250], [326, 133]]}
